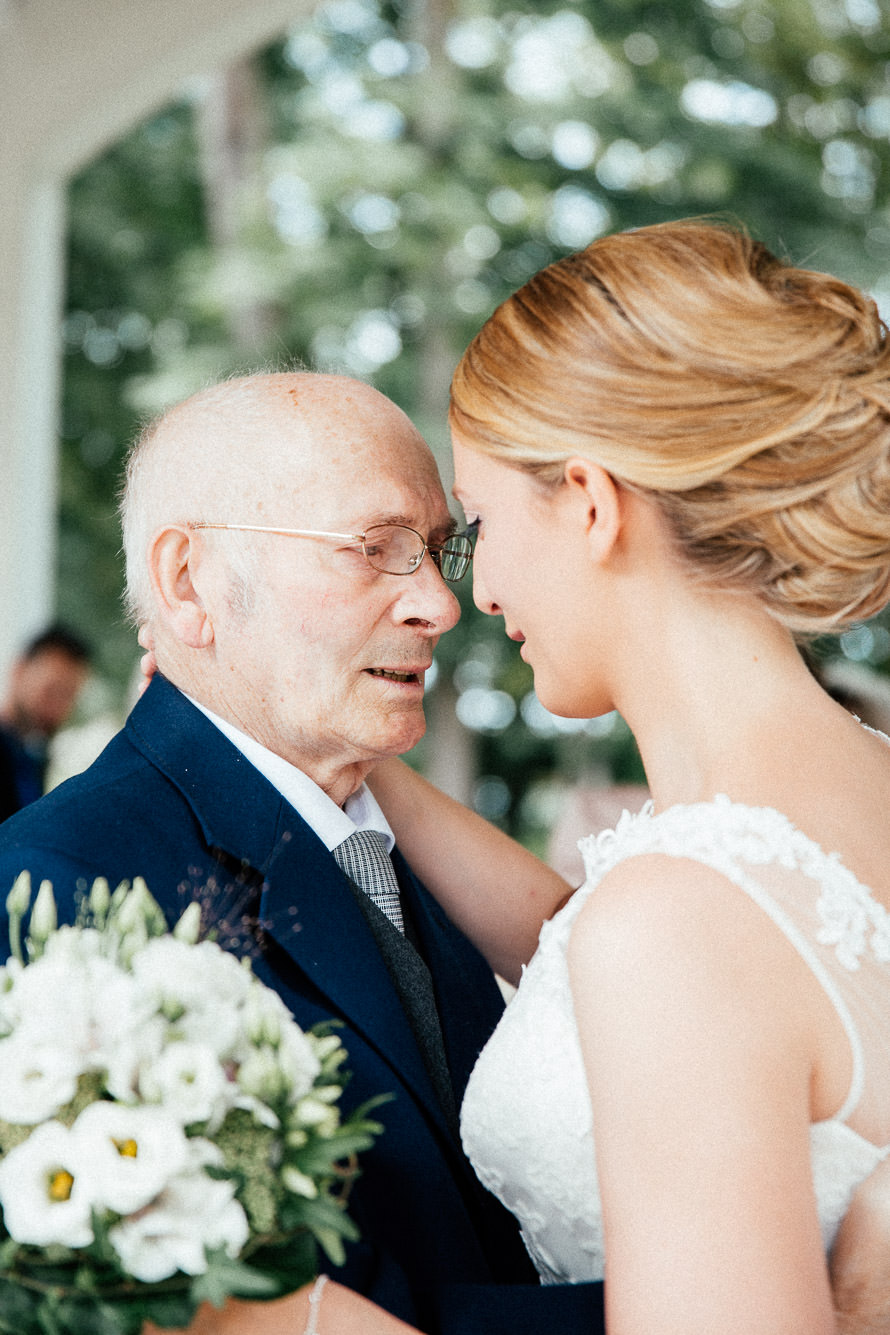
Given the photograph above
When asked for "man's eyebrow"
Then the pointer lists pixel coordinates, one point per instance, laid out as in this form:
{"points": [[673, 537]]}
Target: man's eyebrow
{"points": [[443, 530]]}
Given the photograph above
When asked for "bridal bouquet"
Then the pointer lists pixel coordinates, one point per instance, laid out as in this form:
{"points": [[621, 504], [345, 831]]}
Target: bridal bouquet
{"points": [[168, 1133]]}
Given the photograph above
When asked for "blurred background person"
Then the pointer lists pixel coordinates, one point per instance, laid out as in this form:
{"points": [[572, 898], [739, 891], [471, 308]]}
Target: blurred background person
{"points": [[44, 685]]}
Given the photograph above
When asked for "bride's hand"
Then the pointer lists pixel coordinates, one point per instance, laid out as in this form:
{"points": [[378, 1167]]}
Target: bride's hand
{"points": [[446, 844], [337, 1308], [148, 664], [860, 1259]]}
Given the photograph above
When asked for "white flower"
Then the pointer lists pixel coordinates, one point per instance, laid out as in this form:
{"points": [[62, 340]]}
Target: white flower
{"points": [[72, 944], [73, 995], [260, 1077], [298, 1060], [50, 1000], [36, 1079], [128, 1155], [265, 1014], [126, 1057], [201, 987], [190, 1082], [194, 1213], [45, 1198], [117, 1014], [269, 1027]]}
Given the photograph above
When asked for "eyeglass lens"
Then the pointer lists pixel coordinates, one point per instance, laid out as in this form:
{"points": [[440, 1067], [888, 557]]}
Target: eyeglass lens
{"points": [[399, 551]]}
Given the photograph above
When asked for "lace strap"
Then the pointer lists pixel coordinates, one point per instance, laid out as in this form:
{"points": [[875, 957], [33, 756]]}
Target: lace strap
{"points": [[804, 948], [726, 836]]}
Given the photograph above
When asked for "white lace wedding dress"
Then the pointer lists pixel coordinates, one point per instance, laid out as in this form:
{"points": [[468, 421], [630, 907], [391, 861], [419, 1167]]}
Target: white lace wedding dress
{"points": [[526, 1116]]}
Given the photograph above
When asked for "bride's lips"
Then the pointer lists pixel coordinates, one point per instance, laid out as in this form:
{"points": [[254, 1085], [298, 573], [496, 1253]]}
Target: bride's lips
{"points": [[518, 636]]}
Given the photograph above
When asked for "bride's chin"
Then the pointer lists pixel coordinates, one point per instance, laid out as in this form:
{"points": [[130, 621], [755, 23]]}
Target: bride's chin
{"points": [[566, 701], [559, 702]]}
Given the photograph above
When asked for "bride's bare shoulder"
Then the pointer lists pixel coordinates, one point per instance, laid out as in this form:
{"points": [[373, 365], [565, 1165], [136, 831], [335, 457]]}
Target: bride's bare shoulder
{"points": [[665, 923]]}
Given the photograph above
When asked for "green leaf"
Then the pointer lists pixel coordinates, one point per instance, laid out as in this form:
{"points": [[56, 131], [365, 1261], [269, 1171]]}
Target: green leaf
{"points": [[225, 1277]]}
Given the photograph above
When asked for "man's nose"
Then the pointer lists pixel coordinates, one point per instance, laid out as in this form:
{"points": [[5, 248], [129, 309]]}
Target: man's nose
{"points": [[427, 599]]}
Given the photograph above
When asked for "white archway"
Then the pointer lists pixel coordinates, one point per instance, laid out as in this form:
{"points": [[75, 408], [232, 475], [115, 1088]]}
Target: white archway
{"points": [[74, 75]]}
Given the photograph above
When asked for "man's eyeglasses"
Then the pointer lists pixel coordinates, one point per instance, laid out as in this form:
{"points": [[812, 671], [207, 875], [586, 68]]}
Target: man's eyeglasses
{"points": [[392, 548]]}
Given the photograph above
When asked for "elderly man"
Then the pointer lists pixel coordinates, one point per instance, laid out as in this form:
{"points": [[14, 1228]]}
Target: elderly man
{"points": [[290, 547]]}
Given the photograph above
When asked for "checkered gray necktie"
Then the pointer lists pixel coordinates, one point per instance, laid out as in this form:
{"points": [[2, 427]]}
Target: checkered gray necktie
{"points": [[364, 857]]}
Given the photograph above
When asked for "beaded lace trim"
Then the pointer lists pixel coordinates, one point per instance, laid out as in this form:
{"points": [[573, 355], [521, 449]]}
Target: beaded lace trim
{"points": [[729, 836]]}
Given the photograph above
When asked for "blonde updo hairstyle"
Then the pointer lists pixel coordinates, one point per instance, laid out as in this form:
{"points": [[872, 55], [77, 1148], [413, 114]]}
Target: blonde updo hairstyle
{"points": [[750, 399]]}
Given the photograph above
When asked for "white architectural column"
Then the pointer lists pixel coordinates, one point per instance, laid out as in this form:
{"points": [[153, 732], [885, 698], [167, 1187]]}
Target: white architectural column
{"points": [[74, 75], [32, 246]]}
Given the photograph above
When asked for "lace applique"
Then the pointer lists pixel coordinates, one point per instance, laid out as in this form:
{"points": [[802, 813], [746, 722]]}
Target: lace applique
{"points": [[728, 837]]}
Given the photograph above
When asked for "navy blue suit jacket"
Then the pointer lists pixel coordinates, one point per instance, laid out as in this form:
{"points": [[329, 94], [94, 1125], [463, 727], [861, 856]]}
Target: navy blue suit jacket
{"points": [[171, 800]]}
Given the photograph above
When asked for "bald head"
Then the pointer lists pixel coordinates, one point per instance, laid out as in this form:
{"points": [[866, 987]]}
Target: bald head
{"points": [[239, 451]]}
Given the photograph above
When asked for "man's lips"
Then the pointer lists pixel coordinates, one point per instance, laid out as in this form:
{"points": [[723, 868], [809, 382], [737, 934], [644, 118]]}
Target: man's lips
{"points": [[414, 678]]}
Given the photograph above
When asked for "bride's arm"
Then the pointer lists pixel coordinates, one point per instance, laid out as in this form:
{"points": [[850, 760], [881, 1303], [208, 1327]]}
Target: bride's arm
{"points": [[699, 1037], [491, 887]]}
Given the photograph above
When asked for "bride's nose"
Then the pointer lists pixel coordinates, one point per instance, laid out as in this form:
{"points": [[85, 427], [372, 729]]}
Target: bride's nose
{"points": [[481, 595]]}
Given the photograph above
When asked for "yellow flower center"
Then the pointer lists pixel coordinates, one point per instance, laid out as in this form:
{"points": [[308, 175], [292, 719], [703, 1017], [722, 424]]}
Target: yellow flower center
{"points": [[60, 1184], [127, 1149]]}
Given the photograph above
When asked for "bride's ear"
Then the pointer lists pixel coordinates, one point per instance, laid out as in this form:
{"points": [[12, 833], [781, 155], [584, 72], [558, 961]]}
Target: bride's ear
{"points": [[598, 495]]}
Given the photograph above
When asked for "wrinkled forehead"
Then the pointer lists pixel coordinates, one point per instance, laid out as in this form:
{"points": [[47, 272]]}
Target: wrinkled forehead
{"points": [[284, 448]]}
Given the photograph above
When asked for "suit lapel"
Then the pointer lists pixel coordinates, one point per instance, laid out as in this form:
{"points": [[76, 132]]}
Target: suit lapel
{"points": [[305, 904], [310, 911]]}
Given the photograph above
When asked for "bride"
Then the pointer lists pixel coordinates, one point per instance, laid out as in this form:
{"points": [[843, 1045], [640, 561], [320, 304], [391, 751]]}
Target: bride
{"points": [[675, 451]]}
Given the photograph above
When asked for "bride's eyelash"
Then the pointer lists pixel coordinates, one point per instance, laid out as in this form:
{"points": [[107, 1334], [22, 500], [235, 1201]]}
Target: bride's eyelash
{"points": [[474, 523]]}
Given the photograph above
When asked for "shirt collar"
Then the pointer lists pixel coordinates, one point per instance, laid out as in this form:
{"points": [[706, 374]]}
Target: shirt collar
{"points": [[331, 823]]}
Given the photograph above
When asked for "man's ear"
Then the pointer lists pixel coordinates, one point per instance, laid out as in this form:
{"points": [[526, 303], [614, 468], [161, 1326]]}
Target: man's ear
{"points": [[173, 560], [592, 488]]}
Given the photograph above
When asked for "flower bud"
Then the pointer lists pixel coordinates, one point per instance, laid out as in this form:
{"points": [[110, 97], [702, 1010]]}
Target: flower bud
{"points": [[155, 922], [17, 902], [310, 1112], [100, 899], [121, 890], [19, 897], [262, 1023], [130, 911], [298, 1183], [44, 918], [327, 1093], [188, 928]]}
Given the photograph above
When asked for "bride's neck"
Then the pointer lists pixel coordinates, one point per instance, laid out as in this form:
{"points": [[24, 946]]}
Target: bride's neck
{"points": [[721, 703]]}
